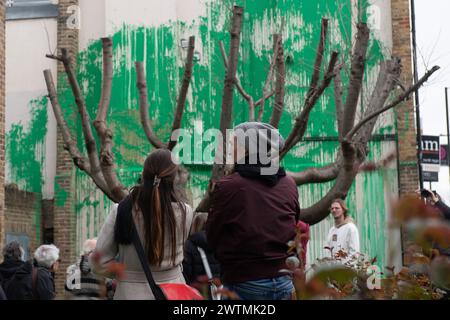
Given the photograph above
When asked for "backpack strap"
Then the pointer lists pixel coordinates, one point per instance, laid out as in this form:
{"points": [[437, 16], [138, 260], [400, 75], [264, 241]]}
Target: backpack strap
{"points": [[157, 291], [205, 263], [34, 277], [126, 233], [123, 231]]}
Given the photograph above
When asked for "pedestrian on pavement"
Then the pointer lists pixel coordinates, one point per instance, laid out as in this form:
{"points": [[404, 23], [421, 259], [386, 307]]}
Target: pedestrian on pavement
{"points": [[163, 223], [81, 282], [13, 255], [47, 262], [193, 264], [253, 216], [434, 199], [344, 235]]}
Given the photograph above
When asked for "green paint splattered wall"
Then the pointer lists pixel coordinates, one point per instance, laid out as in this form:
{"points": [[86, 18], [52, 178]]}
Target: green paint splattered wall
{"points": [[25, 155], [158, 46]]}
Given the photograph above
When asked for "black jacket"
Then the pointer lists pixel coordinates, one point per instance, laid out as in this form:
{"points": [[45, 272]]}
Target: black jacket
{"points": [[9, 267], [45, 285], [445, 211], [20, 285], [2, 294], [192, 263]]}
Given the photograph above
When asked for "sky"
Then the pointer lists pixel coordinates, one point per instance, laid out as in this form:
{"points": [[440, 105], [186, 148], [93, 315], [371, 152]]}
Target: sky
{"points": [[433, 48]]}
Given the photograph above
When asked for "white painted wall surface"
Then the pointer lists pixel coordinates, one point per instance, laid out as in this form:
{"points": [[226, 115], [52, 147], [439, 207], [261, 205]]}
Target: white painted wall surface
{"points": [[102, 18], [92, 22], [27, 42]]}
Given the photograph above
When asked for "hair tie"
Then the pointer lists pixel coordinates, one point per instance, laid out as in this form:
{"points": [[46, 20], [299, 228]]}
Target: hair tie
{"points": [[156, 181]]}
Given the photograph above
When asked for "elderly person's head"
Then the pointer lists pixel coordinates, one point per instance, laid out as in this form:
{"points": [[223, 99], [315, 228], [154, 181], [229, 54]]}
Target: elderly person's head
{"points": [[256, 143], [89, 246], [199, 222], [13, 251], [47, 256]]}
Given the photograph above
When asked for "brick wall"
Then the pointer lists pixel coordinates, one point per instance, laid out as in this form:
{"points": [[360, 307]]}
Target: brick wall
{"points": [[47, 218], [407, 146], [20, 209], [2, 122], [407, 143], [64, 213]]}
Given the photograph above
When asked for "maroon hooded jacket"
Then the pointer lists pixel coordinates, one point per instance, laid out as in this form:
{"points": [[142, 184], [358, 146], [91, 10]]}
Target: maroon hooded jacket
{"points": [[249, 225]]}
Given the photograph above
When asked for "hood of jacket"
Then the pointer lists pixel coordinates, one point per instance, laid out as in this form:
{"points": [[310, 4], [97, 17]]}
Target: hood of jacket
{"points": [[9, 267], [253, 171], [24, 271]]}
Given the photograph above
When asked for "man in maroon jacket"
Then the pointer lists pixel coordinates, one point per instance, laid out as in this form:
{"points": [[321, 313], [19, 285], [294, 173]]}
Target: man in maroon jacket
{"points": [[253, 215]]}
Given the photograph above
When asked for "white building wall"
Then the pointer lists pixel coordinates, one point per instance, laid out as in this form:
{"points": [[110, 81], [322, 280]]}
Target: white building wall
{"points": [[102, 18], [27, 43]]}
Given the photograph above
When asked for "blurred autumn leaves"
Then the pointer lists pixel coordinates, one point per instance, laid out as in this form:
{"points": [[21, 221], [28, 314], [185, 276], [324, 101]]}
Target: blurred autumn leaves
{"points": [[425, 275]]}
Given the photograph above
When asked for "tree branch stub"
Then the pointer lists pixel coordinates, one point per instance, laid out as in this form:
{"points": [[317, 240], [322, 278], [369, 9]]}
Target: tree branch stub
{"points": [[181, 101], [144, 107]]}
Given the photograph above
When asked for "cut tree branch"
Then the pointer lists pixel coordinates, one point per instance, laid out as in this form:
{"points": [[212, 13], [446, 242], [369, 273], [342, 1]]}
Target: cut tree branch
{"points": [[144, 106], [245, 95], [279, 83], [227, 106], [181, 101], [317, 175], [380, 164], [107, 164], [319, 56], [338, 92], [388, 74], [356, 77], [301, 122], [265, 92], [404, 96], [69, 144], [267, 97], [105, 97], [227, 97], [344, 181], [250, 100], [91, 146], [118, 191]]}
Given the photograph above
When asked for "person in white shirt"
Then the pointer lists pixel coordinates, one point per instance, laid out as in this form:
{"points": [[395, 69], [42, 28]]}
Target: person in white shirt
{"points": [[344, 234]]}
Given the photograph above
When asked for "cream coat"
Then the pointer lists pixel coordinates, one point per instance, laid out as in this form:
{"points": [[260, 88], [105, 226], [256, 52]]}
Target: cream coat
{"points": [[135, 285]]}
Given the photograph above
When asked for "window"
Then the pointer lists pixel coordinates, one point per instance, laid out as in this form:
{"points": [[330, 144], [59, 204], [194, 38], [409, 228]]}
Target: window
{"points": [[24, 241], [30, 9]]}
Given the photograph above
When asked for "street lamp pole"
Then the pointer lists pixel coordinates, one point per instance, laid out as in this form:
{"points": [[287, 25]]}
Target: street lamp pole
{"points": [[448, 133], [416, 96]]}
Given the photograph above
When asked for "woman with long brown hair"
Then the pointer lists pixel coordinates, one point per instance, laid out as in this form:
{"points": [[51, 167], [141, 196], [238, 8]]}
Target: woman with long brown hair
{"points": [[162, 221]]}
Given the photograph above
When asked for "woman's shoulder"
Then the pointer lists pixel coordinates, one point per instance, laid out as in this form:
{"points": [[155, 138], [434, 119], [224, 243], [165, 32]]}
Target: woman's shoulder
{"points": [[183, 206], [179, 208]]}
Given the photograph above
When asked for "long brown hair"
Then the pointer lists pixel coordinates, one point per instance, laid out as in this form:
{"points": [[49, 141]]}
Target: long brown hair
{"points": [[343, 206], [153, 197]]}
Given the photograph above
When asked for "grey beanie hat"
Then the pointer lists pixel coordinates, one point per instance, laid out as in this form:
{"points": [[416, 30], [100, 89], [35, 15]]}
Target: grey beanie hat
{"points": [[264, 133]]}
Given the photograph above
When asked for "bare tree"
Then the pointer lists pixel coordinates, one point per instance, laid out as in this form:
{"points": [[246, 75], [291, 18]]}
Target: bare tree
{"points": [[354, 134], [101, 168]]}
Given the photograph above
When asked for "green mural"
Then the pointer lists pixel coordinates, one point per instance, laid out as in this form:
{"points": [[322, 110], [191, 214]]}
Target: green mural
{"points": [[159, 47], [25, 154]]}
